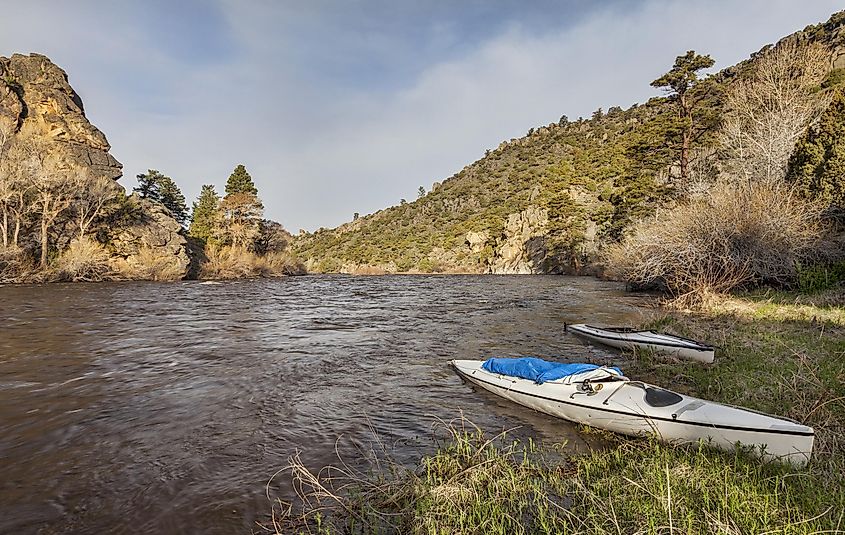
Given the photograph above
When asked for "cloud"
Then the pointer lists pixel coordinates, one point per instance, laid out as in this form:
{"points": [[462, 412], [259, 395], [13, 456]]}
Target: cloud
{"points": [[347, 108]]}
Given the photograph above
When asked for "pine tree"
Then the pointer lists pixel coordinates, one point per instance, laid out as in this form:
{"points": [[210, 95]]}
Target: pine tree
{"points": [[171, 197], [241, 210], [157, 187], [682, 84], [205, 214], [240, 182], [817, 165], [149, 185]]}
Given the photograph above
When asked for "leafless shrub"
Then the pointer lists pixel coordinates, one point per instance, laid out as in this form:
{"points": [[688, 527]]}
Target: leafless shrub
{"points": [[84, 260], [283, 263], [15, 188], [732, 236], [93, 198], [14, 264], [771, 109]]}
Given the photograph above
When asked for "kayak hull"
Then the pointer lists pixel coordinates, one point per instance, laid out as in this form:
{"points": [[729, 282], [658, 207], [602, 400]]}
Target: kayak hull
{"points": [[649, 340], [621, 407]]}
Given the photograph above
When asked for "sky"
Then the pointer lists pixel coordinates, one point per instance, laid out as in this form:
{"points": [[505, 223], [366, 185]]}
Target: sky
{"points": [[345, 106]]}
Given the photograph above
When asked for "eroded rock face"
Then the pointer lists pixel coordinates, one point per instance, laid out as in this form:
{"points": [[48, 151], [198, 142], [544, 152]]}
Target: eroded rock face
{"points": [[37, 100], [477, 241], [35, 96], [522, 246]]}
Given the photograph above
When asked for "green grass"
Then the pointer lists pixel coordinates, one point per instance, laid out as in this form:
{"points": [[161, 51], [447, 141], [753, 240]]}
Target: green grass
{"points": [[772, 357]]}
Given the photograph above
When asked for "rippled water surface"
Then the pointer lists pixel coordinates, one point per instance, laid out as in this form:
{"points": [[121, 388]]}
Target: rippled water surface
{"points": [[166, 408]]}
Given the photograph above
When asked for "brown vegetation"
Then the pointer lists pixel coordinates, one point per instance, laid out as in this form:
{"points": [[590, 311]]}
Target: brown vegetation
{"points": [[233, 262], [44, 195], [149, 264], [749, 227], [733, 236], [13, 263], [768, 111], [84, 260]]}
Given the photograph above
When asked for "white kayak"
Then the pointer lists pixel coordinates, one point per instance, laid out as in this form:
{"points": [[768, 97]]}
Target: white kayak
{"points": [[625, 338], [609, 401]]}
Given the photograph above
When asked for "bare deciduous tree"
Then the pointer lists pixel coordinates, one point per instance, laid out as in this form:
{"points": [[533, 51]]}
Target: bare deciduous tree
{"points": [[771, 109], [94, 195], [15, 186], [53, 188]]}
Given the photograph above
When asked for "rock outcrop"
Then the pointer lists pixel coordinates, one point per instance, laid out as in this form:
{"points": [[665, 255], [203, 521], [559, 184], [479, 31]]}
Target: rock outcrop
{"points": [[35, 97], [148, 231], [522, 247], [37, 101], [477, 241]]}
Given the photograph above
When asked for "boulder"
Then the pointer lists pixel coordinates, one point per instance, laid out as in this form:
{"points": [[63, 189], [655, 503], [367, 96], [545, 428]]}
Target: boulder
{"points": [[148, 229]]}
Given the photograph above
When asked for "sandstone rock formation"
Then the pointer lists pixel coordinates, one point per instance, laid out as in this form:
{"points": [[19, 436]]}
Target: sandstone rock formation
{"points": [[521, 248], [35, 96], [37, 100]]}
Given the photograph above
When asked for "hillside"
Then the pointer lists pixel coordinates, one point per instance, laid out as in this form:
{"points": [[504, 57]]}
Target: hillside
{"points": [[546, 202]]}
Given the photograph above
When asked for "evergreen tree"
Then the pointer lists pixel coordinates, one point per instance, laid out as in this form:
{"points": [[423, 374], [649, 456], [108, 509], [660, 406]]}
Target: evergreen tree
{"points": [[241, 210], [240, 182], [171, 197], [204, 214], [818, 164], [149, 185], [157, 187], [682, 84]]}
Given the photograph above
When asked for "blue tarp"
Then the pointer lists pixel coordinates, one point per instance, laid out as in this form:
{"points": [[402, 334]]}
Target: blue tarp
{"points": [[537, 370]]}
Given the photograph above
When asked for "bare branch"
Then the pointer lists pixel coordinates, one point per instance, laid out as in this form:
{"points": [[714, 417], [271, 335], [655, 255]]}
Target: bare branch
{"points": [[768, 112]]}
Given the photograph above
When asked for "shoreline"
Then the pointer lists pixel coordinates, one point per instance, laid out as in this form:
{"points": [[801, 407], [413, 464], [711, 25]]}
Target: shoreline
{"points": [[310, 274], [779, 353]]}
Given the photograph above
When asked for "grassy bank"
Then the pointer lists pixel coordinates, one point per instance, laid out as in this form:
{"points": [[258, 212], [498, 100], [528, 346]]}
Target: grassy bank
{"points": [[778, 353]]}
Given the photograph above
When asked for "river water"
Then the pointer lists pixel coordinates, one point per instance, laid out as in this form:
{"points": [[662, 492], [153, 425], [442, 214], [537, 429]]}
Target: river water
{"points": [[167, 407]]}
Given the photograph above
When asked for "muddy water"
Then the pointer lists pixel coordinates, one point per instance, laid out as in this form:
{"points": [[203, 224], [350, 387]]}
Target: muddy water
{"points": [[166, 408]]}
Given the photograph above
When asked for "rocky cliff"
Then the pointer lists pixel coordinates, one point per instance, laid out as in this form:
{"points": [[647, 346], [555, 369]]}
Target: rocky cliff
{"points": [[36, 97], [543, 203], [37, 100]]}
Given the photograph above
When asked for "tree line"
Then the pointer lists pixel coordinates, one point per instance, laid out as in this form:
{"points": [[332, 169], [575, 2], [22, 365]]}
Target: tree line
{"points": [[234, 219]]}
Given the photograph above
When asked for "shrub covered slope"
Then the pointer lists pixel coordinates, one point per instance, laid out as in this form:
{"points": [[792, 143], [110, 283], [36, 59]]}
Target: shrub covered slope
{"points": [[548, 202]]}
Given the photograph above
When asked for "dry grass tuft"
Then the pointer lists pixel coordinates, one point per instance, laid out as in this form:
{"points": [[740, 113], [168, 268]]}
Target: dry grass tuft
{"points": [[283, 263], [230, 262], [149, 264], [84, 261], [227, 262], [15, 264]]}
